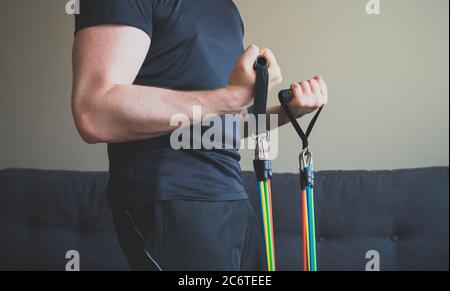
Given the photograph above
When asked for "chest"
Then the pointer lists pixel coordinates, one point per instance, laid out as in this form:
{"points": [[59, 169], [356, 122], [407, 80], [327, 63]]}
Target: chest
{"points": [[175, 21], [195, 44]]}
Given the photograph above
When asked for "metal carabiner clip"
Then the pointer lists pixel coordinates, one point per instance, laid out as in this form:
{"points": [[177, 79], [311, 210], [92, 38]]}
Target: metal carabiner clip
{"points": [[262, 150], [306, 169], [306, 159]]}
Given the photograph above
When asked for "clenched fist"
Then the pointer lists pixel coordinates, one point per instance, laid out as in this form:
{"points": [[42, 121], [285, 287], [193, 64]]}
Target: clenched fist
{"points": [[308, 96], [243, 77]]}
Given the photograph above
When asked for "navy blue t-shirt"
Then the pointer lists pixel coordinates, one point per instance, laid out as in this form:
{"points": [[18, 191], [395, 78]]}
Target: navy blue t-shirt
{"points": [[195, 45]]}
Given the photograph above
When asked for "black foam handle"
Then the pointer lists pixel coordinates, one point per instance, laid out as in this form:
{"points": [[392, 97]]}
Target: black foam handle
{"points": [[261, 67], [285, 95], [261, 62]]}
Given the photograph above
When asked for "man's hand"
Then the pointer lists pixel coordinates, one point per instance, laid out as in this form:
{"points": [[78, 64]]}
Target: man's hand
{"points": [[308, 96], [243, 77]]}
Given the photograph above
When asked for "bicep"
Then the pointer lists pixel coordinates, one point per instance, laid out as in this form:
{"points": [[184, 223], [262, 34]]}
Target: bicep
{"points": [[107, 55]]}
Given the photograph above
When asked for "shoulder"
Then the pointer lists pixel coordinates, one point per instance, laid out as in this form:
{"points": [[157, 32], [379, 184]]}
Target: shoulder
{"points": [[138, 13]]}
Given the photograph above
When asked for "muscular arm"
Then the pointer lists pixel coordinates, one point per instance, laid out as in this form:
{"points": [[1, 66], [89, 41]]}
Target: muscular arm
{"points": [[107, 107]]}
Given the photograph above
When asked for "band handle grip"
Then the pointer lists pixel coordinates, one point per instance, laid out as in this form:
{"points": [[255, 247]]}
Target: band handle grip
{"points": [[285, 96]]}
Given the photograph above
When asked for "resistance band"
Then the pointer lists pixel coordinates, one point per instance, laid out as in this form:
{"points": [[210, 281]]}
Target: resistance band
{"points": [[307, 184], [262, 163]]}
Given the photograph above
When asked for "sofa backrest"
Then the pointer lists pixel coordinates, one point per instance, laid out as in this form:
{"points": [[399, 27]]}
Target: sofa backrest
{"points": [[403, 215], [45, 214]]}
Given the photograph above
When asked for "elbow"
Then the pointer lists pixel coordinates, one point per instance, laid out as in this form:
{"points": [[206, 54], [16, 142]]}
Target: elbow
{"points": [[88, 130], [87, 126]]}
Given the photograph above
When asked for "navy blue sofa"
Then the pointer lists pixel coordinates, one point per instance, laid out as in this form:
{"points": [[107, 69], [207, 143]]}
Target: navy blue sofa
{"points": [[403, 215]]}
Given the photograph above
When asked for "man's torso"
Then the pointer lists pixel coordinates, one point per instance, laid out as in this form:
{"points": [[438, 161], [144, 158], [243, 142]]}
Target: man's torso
{"points": [[195, 44]]}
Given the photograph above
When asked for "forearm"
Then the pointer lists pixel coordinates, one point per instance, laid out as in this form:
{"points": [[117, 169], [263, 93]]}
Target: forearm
{"points": [[124, 113], [281, 114]]}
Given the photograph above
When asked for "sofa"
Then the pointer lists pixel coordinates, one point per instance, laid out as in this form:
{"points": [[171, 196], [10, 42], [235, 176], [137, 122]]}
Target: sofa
{"points": [[402, 215]]}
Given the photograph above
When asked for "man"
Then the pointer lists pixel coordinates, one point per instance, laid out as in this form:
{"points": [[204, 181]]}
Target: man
{"points": [[137, 63]]}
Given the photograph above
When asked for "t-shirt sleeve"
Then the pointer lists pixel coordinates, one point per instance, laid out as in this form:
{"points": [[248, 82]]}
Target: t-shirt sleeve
{"points": [[137, 13]]}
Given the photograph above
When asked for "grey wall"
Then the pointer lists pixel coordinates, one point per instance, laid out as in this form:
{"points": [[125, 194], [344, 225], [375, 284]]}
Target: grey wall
{"points": [[388, 78]]}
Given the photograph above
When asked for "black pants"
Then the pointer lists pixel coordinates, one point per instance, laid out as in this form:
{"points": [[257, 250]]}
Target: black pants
{"points": [[180, 235]]}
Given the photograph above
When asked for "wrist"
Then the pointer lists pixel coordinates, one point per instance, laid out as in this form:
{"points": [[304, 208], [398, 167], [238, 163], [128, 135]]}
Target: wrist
{"points": [[297, 113], [236, 98], [284, 117]]}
